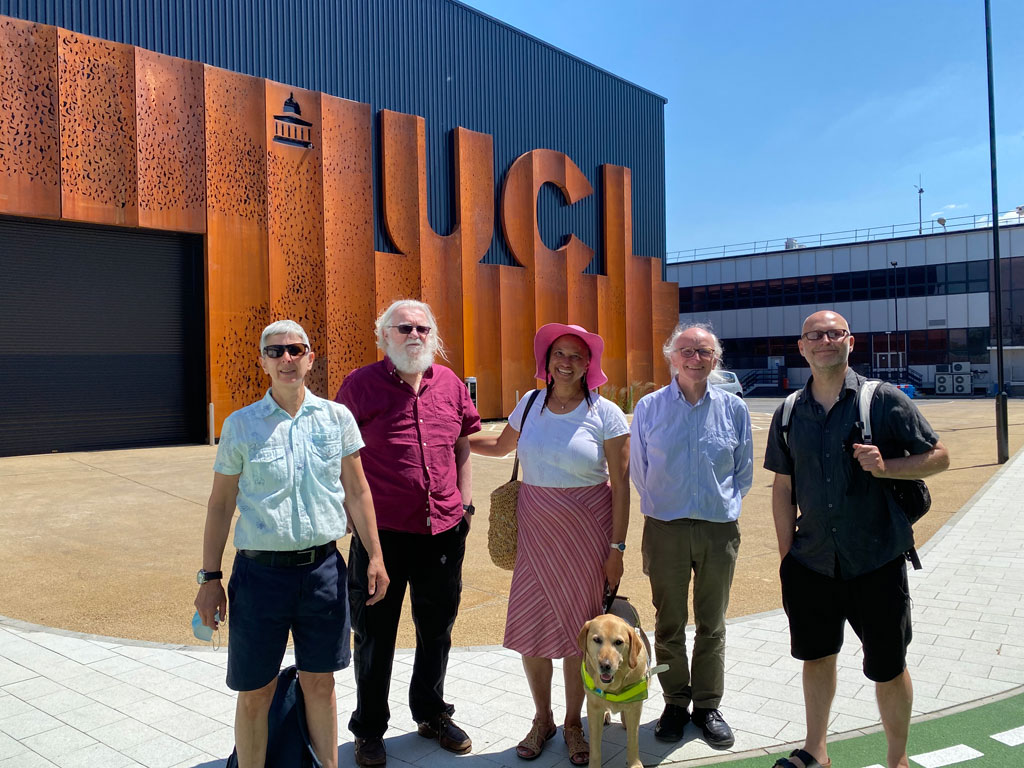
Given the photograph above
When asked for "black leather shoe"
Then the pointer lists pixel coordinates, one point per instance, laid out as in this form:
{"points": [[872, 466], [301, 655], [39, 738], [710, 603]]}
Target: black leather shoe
{"points": [[716, 731], [370, 751], [672, 723], [447, 733]]}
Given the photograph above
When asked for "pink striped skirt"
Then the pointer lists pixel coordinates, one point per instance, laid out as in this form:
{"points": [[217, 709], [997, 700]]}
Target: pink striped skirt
{"points": [[558, 580]]}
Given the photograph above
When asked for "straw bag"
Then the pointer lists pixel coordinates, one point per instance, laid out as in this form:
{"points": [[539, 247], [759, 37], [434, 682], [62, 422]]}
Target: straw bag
{"points": [[502, 526]]}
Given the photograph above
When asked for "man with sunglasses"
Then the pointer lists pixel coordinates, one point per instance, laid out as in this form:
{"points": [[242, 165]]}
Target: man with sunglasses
{"points": [[843, 558], [416, 417], [692, 461], [290, 463]]}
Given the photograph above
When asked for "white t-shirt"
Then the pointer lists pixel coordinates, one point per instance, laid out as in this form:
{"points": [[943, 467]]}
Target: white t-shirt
{"points": [[566, 450]]}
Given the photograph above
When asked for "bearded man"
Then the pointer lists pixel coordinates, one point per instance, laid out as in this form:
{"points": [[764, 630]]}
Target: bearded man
{"points": [[415, 417]]}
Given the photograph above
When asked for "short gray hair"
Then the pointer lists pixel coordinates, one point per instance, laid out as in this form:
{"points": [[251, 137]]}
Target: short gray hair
{"points": [[283, 326], [683, 328], [384, 320]]}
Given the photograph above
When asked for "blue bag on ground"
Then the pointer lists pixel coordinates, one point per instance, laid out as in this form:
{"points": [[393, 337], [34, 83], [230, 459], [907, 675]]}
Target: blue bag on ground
{"points": [[288, 744]]}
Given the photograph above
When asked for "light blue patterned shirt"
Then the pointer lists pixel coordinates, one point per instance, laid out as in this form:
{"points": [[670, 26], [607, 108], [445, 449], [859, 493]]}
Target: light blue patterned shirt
{"points": [[691, 461], [289, 493]]}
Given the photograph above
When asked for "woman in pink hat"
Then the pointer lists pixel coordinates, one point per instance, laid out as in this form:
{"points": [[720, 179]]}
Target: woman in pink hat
{"points": [[573, 513]]}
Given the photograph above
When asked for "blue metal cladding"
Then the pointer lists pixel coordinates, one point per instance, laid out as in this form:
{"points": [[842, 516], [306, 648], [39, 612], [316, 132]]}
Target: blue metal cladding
{"points": [[439, 59]]}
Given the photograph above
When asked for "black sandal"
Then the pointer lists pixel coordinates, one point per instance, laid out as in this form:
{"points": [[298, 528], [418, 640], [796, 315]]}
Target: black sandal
{"points": [[804, 757]]}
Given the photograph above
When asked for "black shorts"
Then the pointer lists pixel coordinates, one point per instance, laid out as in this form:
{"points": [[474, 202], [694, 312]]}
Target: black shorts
{"points": [[265, 602], [877, 605]]}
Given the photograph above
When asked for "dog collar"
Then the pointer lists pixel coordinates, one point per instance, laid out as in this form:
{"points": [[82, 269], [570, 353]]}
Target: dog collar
{"points": [[635, 692]]}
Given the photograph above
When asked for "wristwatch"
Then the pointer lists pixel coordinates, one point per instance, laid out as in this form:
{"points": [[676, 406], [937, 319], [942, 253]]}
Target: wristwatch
{"points": [[469, 509], [204, 576], [619, 545]]}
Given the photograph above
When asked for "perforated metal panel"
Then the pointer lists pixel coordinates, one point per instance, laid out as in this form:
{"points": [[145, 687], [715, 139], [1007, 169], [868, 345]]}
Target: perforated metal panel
{"points": [[103, 333]]}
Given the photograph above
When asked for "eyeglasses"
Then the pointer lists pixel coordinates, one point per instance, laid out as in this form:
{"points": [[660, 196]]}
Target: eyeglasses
{"points": [[834, 334], [278, 350], [405, 329], [705, 353]]}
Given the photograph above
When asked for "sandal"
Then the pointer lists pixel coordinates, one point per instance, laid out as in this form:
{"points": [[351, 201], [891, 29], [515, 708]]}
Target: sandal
{"points": [[531, 747], [579, 749], [804, 757]]}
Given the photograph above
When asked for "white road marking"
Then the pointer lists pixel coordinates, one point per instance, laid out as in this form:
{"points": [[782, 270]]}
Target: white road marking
{"points": [[948, 756], [1012, 738], [876, 765]]}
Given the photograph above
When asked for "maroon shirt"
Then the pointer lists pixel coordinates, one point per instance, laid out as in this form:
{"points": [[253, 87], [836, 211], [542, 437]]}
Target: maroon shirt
{"points": [[409, 457]]}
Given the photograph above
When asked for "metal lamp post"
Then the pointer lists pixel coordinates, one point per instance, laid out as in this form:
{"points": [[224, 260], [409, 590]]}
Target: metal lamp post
{"points": [[920, 192], [896, 311], [1002, 425]]}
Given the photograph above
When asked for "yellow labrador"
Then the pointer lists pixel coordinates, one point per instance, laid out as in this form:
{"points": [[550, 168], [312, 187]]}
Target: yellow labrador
{"points": [[615, 675]]}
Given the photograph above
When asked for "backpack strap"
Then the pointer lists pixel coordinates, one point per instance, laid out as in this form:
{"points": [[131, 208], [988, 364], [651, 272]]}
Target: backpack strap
{"points": [[787, 414], [864, 395]]}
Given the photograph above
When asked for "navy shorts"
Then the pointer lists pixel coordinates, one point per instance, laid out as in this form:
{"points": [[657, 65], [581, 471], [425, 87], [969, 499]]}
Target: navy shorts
{"points": [[265, 602], [877, 605]]}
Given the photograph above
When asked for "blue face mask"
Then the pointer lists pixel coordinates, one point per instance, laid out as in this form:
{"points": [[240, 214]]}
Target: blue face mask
{"points": [[200, 630]]}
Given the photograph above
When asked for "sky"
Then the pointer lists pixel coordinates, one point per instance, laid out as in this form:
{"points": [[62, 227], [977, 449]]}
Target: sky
{"points": [[789, 118]]}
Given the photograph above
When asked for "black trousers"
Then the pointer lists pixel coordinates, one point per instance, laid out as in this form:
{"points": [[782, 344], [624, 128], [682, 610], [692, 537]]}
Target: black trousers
{"points": [[431, 566]]}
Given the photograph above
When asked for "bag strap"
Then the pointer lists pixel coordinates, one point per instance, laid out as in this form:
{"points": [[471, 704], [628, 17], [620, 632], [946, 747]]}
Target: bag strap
{"points": [[787, 414], [867, 391], [522, 426]]}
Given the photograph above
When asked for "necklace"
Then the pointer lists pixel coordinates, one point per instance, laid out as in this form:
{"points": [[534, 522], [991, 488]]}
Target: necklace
{"points": [[564, 404]]}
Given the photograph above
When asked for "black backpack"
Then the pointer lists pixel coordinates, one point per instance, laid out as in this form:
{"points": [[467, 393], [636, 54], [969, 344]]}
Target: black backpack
{"points": [[288, 744], [911, 496]]}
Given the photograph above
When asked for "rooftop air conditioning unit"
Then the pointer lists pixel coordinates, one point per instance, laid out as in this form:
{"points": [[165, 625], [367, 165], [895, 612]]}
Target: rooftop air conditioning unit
{"points": [[961, 384], [943, 384], [942, 369], [960, 368]]}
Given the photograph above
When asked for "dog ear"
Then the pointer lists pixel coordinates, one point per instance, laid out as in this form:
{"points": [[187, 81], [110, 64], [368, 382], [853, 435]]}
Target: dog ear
{"points": [[581, 641], [634, 648]]}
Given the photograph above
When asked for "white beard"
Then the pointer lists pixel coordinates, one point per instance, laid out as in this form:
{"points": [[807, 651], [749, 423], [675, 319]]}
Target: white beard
{"points": [[413, 363]]}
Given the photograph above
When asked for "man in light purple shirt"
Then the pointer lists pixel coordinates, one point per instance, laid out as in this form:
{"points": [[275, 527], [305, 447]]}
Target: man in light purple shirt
{"points": [[692, 461]]}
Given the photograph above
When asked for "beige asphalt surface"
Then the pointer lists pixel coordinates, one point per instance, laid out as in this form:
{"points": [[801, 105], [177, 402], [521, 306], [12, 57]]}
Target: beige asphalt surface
{"points": [[109, 542]]}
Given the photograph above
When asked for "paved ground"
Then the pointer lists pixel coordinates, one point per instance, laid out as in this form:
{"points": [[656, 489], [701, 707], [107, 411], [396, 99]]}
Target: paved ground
{"points": [[72, 700]]}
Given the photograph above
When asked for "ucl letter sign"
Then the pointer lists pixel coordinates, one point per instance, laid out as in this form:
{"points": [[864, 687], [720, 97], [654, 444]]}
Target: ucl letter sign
{"points": [[279, 180]]}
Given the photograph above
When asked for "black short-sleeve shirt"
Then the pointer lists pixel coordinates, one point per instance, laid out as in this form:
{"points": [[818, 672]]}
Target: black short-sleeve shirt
{"points": [[845, 518]]}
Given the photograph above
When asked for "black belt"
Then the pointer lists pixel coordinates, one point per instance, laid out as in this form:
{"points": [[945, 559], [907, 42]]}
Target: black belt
{"points": [[290, 558]]}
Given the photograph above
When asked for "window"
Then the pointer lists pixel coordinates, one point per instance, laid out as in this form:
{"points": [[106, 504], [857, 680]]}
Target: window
{"points": [[685, 299], [859, 283]]}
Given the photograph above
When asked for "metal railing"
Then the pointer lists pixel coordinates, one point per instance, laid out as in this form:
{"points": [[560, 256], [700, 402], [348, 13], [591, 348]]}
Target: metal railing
{"points": [[931, 227]]}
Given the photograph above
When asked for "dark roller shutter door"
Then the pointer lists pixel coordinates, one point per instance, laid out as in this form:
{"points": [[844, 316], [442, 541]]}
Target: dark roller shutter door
{"points": [[103, 338]]}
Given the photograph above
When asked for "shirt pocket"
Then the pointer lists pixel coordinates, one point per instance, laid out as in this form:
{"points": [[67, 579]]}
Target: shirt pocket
{"points": [[325, 458], [718, 448], [269, 467]]}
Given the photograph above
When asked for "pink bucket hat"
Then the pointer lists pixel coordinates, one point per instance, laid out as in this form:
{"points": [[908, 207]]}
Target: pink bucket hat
{"points": [[546, 337]]}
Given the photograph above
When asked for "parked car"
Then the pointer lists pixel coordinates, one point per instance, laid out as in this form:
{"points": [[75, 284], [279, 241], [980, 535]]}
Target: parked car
{"points": [[726, 380]]}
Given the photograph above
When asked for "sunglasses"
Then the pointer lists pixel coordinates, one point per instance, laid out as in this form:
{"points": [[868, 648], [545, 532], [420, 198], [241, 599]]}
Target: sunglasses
{"points": [[705, 353], [834, 334], [278, 350], [405, 329]]}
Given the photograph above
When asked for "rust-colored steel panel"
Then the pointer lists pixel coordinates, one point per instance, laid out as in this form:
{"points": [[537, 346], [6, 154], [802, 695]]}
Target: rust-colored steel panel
{"points": [[295, 221], [348, 237], [442, 260], [97, 130], [639, 337], [581, 289], [474, 200], [618, 245], [665, 299], [488, 367], [517, 331], [237, 279], [29, 131], [170, 125], [398, 274], [636, 271], [546, 269]]}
